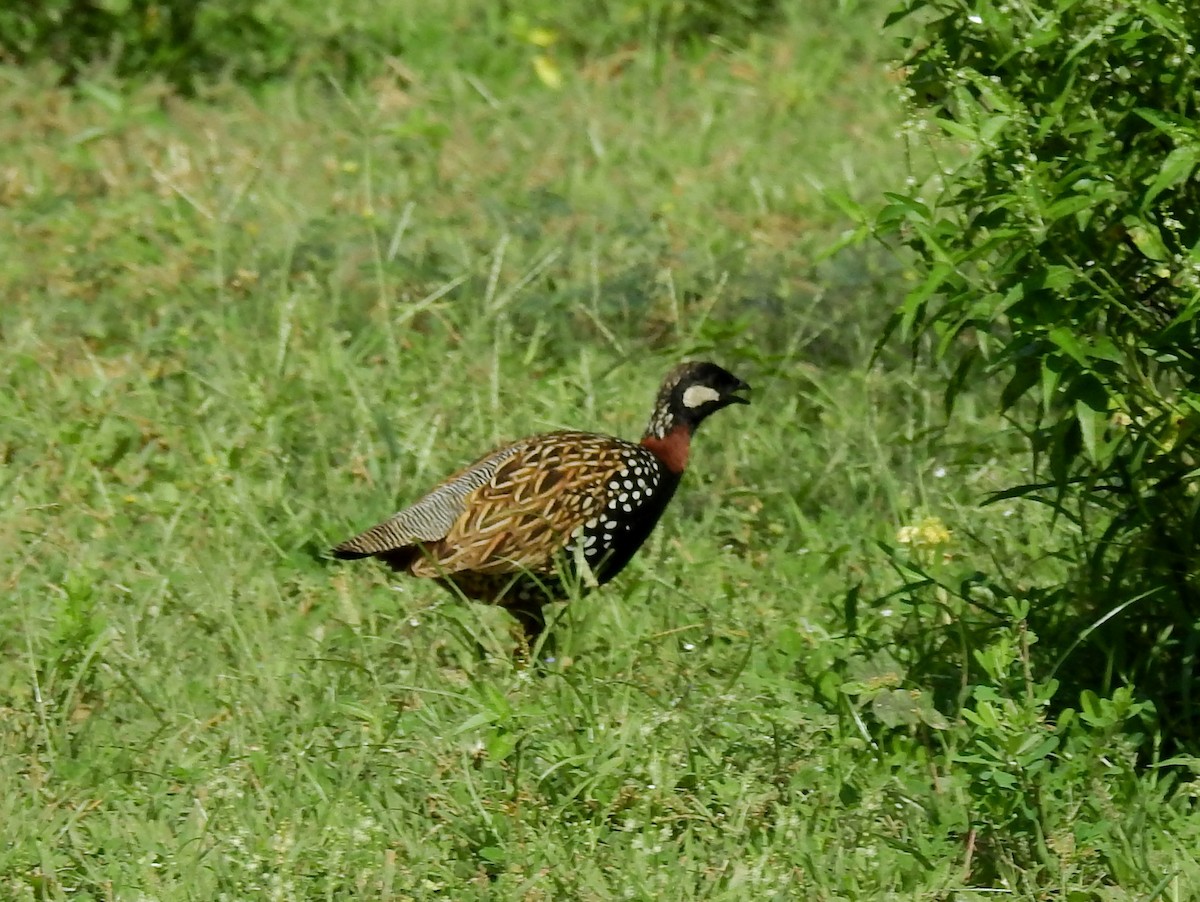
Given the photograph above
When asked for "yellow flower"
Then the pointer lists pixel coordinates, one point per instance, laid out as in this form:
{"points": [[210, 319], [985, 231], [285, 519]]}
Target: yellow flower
{"points": [[548, 72], [929, 533], [541, 37]]}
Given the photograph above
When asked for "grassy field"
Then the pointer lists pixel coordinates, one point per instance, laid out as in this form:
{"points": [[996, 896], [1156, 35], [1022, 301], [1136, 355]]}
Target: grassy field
{"points": [[239, 328]]}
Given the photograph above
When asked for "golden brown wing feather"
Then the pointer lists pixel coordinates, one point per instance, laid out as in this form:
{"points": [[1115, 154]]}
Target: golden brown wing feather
{"points": [[528, 509]]}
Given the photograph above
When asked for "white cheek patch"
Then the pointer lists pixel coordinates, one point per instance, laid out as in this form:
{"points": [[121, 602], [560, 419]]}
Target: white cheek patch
{"points": [[696, 395]]}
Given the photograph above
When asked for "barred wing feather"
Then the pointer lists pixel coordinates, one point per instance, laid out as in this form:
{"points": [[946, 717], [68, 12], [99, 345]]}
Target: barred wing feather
{"points": [[430, 518]]}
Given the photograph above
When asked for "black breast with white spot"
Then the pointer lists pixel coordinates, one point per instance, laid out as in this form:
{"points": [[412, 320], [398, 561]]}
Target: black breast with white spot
{"points": [[634, 499]]}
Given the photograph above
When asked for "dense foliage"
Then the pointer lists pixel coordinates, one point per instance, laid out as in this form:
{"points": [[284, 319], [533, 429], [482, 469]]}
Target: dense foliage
{"points": [[189, 42], [1058, 250]]}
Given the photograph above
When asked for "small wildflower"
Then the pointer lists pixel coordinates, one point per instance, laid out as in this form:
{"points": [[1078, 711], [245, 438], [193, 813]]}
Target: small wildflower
{"points": [[541, 37], [548, 72], [929, 533]]}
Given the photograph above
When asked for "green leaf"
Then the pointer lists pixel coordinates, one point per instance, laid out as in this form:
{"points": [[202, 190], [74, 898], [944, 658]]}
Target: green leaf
{"points": [[1166, 19], [1146, 238], [1089, 704], [500, 745], [1069, 205], [850, 609], [792, 643], [1038, 749], [992, 127], [475, 721], [933, 283], [983, 715], [1096, 33], [1058, 278], [895, 708], [910, 204], [958, 130], [1091, 429], [931, 716], [1176, 168], [1103, 348], [1025, 377], [1002, 779], [1051, 378], [1066, 340], [1176, 127]]}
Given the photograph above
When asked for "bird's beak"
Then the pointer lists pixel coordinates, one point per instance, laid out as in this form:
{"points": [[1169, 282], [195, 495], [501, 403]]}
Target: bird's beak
{"points": [[738, 399]]}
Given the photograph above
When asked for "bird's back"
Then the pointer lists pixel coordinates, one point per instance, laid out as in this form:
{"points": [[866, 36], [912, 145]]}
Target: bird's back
{"points": [[518, 507]]}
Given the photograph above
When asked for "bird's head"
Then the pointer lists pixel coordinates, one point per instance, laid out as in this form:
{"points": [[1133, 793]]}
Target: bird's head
{"points": [[690, 394]]}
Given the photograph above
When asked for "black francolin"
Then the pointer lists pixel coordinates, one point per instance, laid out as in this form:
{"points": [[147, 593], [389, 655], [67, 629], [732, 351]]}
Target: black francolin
{"points": [[509, 527]]}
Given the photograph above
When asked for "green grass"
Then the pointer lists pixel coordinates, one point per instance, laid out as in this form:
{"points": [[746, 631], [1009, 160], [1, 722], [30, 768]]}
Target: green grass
{"points": [[240, 328]]}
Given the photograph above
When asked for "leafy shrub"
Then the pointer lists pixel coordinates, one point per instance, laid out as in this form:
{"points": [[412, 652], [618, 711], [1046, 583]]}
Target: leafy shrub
{"points": [[947, 669], [1058, 251], [182, 41]]}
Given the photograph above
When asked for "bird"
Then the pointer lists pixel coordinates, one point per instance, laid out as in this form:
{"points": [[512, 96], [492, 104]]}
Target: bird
{"points": [[528, 519]]}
